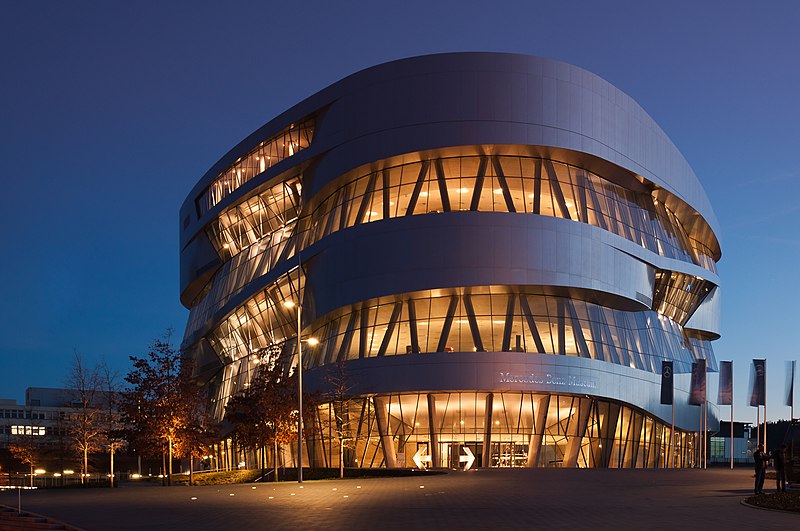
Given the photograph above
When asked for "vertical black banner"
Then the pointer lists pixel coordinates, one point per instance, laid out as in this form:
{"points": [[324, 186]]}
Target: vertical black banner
{"points": [[666, 382], [725, 395], [697, 392], [790, 394], [758, 395]]}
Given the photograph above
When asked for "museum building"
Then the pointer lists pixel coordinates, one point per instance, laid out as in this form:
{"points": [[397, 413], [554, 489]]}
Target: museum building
{"points": [[497, 250]]}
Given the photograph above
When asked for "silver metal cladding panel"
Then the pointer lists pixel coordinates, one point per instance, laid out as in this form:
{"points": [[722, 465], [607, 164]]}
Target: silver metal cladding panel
{"points": [[707, 316], [520, 371], [470, 249], [488, 98]]}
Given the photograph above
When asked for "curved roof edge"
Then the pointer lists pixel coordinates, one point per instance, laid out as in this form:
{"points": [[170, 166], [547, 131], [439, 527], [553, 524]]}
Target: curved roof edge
{"points": [[592, 112]]}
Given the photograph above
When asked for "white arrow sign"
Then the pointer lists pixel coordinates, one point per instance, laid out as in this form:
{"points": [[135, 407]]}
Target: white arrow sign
{"points": [[419, 458], [469, 458]]}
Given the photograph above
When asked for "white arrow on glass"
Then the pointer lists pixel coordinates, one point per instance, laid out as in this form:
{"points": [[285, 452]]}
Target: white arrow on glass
{"points": [[419, 458], [469, 458]]}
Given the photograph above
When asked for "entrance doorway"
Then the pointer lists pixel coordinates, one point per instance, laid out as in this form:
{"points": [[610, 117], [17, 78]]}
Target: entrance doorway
{"points": [[450, 453]]}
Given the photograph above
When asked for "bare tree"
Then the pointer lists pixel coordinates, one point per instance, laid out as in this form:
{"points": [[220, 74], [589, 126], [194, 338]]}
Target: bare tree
{"points": [[340, 396], [85, 423], [113, 436]]}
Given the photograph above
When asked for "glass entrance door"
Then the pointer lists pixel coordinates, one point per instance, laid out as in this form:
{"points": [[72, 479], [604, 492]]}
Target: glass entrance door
{"points": [[451, 453]]}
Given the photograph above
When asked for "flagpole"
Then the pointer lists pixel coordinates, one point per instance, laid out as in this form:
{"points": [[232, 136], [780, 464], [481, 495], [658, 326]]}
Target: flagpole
{"points": [[758, 425], [703, 414], [765, 405], [672, 438], [699, 449], [791, 392], [731, 448], [705, 427]]}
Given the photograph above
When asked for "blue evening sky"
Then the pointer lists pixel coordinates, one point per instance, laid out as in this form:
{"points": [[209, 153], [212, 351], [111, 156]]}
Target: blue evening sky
{"points": [[111, 111]]}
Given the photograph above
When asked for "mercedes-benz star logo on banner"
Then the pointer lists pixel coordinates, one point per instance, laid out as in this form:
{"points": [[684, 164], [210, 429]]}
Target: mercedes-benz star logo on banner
{"points": [[667, 372]]}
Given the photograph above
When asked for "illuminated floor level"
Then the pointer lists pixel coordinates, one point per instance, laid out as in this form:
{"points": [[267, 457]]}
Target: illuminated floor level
{"points": [[508, 429]]}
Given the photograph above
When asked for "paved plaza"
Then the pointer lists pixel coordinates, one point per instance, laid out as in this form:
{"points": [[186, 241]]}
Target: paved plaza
{"points": [[481, 499]]}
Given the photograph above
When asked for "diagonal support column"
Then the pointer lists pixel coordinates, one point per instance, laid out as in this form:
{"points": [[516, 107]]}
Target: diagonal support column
{"points": [[537, 434], [389, 452], [432, 427], [487, 432], [574, 444]]}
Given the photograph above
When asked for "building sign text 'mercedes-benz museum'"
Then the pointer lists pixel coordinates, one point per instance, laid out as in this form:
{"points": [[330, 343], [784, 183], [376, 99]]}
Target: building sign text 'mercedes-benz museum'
{"points": [[547, 379]]}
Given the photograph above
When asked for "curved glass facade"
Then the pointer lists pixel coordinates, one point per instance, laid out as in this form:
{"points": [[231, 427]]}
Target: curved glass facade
{"points": [[483, 319], [504, 184], [265, 215], [467, 183], [278, 147], [496, 319], [500, 430]]}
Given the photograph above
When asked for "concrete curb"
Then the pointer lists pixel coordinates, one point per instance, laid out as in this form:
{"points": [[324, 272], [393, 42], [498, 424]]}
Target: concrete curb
{"points": [[48, 519], [750, 505]]}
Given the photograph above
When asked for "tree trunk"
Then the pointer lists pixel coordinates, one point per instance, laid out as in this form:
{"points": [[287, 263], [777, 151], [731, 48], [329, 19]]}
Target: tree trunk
{"points": [[169, 477], [341, 458], [31, 474], [263, 462], [275, 461], [111, 475], [191, 470], [85, 465]]}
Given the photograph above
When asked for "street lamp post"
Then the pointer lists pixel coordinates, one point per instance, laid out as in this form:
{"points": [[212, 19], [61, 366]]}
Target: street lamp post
{"points": [[311, 341], [299, 380]]}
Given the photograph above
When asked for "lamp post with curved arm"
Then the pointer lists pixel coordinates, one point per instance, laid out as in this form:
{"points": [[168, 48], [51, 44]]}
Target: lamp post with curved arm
{"points": [[311, 341]]}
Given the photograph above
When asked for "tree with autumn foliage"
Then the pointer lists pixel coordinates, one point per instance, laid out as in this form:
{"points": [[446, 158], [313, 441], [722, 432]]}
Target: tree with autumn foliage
{"points": [[27, 450], [164, 410], [265, 412]]}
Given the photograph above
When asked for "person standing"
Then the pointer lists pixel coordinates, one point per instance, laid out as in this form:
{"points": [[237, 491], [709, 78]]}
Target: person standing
{"points": [[760, 460], [780, 473]]}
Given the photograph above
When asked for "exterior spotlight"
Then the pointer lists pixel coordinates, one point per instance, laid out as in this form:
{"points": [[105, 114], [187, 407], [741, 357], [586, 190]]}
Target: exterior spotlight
{"points": [[313, 341], [40, 471], [289, 304]]}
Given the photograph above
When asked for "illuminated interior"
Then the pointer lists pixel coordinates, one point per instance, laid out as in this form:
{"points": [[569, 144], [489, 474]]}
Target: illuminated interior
{"points": [[505, 184], [506, 429], [281, 146], [483, 319]]}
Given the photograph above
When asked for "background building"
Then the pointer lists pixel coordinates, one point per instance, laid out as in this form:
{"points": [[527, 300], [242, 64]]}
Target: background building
{"points": [[43, 415], [500, 249], [744, 442]]}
